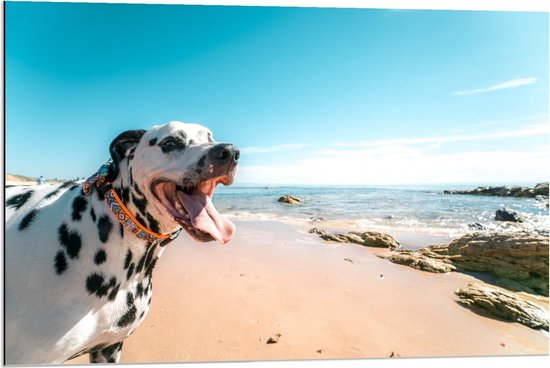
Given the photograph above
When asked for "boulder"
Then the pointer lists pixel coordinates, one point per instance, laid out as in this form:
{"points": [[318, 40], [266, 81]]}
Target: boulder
{"points": [[367, 238], [541, 189], [421, 261], [519, 257], [495, 301], [289, 199], [502, 191], [507, 215], [374, 239], [476, 226]]}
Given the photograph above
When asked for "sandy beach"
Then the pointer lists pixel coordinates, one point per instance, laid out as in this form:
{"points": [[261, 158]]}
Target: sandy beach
{"points": [[325, 300]]}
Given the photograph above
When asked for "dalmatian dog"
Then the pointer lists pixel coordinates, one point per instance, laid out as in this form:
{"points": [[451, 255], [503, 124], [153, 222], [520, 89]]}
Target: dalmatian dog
{"points": [[77, 279]]}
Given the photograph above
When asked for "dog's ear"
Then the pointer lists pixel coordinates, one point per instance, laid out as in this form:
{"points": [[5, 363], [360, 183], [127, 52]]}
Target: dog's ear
{"points": [[121, 146]]}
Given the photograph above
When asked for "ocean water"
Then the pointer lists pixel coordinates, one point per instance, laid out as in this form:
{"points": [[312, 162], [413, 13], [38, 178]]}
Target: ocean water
{"points": [[419, 209]]}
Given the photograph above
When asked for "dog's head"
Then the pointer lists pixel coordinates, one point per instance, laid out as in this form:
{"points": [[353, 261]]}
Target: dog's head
{"points": [[172, 171]]}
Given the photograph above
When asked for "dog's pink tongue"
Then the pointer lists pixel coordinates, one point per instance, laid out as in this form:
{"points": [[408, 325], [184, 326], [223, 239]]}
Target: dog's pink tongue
{"points": [[205, 217]]}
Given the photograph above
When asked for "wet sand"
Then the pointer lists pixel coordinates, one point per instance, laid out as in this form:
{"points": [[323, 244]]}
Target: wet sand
{"points": [[223, 303]]}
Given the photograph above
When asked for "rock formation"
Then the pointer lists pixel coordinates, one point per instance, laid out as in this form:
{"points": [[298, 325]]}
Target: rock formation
{"points": [[507, 215], [367, 238], [540, 189], [289, 199], [519, 260], [516, 307], [423, 259]]}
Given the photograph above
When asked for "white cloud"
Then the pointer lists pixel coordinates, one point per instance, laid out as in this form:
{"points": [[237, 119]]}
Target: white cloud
{"points": [[514, 83], [411, 160], [277, 148], [523, 132], [478, 166]]}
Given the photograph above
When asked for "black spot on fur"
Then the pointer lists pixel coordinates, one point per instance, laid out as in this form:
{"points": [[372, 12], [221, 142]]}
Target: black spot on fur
{"points": [[94, 355], [109, 352], [149, 301], [140, 220], [52, 194], [79, 205], [141, 204], [27, 220], [70, 240], [131, 155], [150, 267], [92, 214], [100, 195], [100, 257], [130, 271], [95, 284], [125, 195], [104, 225], [149, 257], [153, 223], [19, 200], [121, 230], [113, 293], [152, 142], [202, 161], [128, 317], [141, 315], [138, 191], [141, 262], [128, 259], [60, 263], [139, 290], [129, 299]]}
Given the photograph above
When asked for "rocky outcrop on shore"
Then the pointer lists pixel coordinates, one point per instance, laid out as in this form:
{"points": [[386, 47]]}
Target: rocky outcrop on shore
{"points": [[423, 259], [518, 260], [540, 189], [495, 301], [507, 215], [289, 199], [367, 238]]}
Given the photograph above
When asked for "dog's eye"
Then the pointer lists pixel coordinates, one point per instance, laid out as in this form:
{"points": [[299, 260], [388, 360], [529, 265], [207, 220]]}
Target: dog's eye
{"points": [[171, 144]]}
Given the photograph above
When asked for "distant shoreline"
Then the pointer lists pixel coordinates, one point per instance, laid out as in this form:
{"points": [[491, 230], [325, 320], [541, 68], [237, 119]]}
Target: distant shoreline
{"points": [[16, 178]]}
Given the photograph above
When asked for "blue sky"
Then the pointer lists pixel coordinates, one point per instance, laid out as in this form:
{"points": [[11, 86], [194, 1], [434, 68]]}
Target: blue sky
{"points": [[310, 95]]}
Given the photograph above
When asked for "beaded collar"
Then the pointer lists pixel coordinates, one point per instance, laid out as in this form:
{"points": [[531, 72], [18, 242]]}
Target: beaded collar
{"points": [[99, 182]]}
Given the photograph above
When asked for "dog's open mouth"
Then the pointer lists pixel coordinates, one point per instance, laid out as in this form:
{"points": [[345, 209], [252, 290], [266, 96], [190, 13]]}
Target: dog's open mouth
{"points": [[192, 207]]}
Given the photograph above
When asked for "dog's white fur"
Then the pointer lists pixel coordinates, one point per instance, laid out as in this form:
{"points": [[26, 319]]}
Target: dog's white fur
{"points": [[51, 317]]}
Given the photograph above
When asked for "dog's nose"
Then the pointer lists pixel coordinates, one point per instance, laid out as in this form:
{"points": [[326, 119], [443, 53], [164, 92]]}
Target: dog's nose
{"points": [[224, 153]]}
